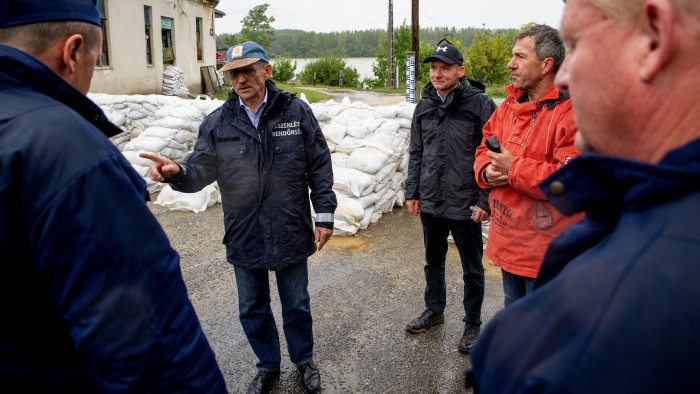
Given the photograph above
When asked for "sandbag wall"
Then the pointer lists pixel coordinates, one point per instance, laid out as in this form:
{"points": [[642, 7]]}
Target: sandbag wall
{"points": [[369, 149]]}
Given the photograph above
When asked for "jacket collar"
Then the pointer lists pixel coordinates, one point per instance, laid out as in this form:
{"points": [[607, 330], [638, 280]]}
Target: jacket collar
{"points": [[550, 98], [604, 185], [24, 71]]}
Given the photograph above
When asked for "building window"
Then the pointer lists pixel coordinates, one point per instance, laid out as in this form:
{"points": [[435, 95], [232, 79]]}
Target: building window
{"points": [[198, 28], [103, 59], [166, 30], [149, 32]]}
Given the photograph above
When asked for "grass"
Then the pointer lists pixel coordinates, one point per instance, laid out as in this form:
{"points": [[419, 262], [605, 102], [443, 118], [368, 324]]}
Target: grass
{"points": [[311, 95], [314, 96]]}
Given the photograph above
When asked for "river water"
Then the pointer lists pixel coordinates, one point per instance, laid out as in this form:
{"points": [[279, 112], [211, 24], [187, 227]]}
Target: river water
{"points": [[363, 65]]}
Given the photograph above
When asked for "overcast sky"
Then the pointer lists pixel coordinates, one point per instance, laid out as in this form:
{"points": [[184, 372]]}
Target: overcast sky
{"points": [[335, 15]]}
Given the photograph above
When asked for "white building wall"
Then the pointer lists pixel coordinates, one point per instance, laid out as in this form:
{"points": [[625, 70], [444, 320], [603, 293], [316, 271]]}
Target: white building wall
{"points": [[128, 71]]}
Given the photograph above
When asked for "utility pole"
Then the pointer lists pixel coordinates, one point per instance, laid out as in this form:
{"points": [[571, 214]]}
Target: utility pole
{"points": [[415, 32], [390, 46]]}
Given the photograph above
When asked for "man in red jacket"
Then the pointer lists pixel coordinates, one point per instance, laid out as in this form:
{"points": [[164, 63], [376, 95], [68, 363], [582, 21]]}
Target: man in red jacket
{"points": [[535, 127]]}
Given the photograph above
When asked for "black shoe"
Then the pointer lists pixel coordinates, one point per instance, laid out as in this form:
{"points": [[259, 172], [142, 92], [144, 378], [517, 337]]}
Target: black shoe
{"points": [[263, 382], [469, 337], [426, 320], [310, 378]]}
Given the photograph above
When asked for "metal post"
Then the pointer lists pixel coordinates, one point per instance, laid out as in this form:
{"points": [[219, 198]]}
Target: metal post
{"points": [[390, 45], [415, 32]]}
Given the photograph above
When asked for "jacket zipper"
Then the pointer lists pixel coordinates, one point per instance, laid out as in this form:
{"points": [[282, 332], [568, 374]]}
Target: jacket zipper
{"points": [[532, 122]]}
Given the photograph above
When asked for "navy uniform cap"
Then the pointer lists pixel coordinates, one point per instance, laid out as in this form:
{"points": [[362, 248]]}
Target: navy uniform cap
{"points": [[22, 12]]}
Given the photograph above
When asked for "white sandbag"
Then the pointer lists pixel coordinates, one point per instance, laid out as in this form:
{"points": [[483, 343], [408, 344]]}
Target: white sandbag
{"points": [[117, 118], [368, 160], [382, 140], [348, 214], [172, 122], [339, 159], [327, 111], [186, 112], [195, 202], [173, 154], [369, 211], [352, 115], [160, 132], [387, 111], [364, 127], [397, 180], [351, 182], [349, 144], [133, 157], [148, 144], [334, 132], [400, 198], [386, 173], [403, 164], [407, 110], [186, 137], [369, 200], [405, 123]]}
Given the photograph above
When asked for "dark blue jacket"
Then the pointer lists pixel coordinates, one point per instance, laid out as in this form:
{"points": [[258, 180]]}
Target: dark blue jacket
{"points": [[91, 295], [616, 304], [444, 138], [264, 175]]}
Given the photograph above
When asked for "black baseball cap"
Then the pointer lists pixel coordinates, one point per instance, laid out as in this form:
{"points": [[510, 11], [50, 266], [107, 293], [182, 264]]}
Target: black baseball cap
{"points": [[447, 53]]}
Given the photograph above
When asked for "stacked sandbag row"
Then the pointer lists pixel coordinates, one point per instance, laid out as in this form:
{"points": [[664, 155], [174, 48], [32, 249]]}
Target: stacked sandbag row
{"points": [[369, 150], [174, 81], [165, 126]]}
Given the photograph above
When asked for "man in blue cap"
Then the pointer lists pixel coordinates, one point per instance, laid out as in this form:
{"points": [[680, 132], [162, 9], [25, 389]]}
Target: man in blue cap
{"points": [[265, 149], [91, 295]]}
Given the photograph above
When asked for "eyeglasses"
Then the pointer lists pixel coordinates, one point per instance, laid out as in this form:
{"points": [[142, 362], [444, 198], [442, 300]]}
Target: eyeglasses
{"points": [[247, 72]]}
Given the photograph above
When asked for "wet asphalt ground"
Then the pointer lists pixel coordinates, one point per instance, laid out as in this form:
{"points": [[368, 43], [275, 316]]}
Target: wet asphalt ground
{"points": [[364, 290]]}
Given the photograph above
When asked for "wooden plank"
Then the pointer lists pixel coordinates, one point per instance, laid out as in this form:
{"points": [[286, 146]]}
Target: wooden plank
{"points": [[214, 78], [206, 77]]}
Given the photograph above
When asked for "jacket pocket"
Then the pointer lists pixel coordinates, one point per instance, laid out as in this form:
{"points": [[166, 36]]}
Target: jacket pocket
{"points": [[541, 217], [229, 150]]}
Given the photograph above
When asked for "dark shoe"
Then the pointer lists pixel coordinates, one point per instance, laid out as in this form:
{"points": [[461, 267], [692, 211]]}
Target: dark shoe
{"points": [[263, 382], [469, 337], [426, 320], [310, 378]]}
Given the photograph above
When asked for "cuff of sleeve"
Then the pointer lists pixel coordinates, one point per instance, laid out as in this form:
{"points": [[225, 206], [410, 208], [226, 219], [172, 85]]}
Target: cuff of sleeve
{"points": [[324, 217], [328, 225]]}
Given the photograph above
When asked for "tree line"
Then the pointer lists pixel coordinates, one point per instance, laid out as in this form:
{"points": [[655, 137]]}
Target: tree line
{"points": [[359, 43], [486, 52]]}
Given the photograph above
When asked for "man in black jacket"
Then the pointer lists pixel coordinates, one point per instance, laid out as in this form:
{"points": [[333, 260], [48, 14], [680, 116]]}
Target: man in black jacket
{"points": [[265, 149], [446, 130]]}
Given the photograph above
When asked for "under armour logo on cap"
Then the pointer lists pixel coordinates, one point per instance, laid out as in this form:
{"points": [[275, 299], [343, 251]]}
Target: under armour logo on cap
{"points": [[447, 53]]}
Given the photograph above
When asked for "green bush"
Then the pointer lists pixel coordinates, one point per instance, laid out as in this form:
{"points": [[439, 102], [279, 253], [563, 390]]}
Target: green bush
{"points": [[327, 70], [283, 70]]}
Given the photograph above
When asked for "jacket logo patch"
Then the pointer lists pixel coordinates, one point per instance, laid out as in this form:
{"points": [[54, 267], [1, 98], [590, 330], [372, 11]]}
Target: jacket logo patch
{"points": [[286, 129], [500, 213]]}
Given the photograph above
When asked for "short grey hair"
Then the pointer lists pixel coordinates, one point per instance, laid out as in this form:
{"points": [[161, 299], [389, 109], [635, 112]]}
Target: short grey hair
{"points": [[37, 38], [548, 43]]}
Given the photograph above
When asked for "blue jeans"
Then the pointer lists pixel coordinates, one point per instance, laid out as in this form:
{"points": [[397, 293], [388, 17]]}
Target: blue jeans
{"points": [[259, 323], [467, 237], [515, 286]]}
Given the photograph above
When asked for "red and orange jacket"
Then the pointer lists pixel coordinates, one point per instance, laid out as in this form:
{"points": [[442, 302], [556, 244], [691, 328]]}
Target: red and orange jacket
{"points": [[540, 135]]}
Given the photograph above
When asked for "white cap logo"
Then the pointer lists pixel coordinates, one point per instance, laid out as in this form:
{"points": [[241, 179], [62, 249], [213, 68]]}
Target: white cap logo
{"points": [[443, 49], [237, 51]]}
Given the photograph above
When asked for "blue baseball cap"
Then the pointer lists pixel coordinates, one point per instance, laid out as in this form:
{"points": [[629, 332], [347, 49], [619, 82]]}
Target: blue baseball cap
{"points": [[243, 55], [22, 12]]}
